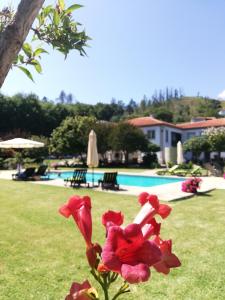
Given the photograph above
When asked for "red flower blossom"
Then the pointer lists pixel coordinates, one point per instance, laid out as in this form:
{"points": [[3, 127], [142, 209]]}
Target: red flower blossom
{"points": [[161, 209], [80, 209], [82, 291], [112, 218], [169, 260], [128, 253], [191, 185], [150, 229]]}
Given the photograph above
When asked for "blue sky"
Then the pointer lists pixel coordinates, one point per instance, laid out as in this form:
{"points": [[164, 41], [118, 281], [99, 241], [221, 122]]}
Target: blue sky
{"points": [[137, 47]]}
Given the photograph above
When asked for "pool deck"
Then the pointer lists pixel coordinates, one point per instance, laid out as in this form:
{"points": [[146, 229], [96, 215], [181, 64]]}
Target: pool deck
{"points": [[165, 192]]}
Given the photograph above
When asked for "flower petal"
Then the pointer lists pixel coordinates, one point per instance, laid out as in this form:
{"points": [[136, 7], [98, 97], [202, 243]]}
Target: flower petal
{"points": [[145, 214], [149, 253], [164, 210], [113, 217], [135, 274], [65, 211]]}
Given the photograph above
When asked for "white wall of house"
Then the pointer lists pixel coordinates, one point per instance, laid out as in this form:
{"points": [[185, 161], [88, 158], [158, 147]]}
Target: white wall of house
{"points": [[189, 133], [161, 135]]}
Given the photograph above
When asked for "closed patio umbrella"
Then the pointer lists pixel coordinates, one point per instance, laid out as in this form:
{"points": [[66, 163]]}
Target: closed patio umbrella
{"points": [[180, 157], [167, 154], [92, 154], [19, 143]]}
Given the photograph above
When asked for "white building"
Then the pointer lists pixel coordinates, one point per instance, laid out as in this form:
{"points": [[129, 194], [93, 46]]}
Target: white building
{"points": [[166, 135]]}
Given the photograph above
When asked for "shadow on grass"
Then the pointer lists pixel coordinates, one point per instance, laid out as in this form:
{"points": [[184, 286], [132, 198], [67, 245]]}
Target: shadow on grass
{"points": [[188, 197]]}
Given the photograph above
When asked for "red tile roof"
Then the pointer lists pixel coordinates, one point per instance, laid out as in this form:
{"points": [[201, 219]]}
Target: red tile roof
{"points": [[149, 121], [203, 124]]}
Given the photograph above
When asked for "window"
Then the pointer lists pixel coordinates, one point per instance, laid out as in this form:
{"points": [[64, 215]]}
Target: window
{"points": [[151, 134], [175, 138], [190, 134]]}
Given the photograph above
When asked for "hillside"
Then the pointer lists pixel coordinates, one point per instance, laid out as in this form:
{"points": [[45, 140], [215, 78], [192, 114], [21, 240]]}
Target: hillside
{"points": [[187, 107], [183, 109]]}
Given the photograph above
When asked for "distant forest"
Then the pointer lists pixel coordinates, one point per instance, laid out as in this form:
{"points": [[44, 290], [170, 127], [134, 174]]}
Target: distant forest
{"points": [[24, 115]]}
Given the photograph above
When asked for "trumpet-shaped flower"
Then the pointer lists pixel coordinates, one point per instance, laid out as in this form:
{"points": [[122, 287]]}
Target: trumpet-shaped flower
{"points": [[150, 229], [161, 209], [82, 291], [150, 207], [80, 209], [169, 260], [112, 218], [128, 253]]}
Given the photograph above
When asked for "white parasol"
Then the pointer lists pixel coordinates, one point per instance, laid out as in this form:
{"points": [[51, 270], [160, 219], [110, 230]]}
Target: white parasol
{"points": [[19, 143], [92, 154]]}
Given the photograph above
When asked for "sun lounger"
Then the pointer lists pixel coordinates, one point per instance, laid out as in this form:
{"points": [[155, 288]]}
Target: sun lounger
{"points": [[78, 178], [26, 175], [41, 173], [109, 181], [197, 171], [170, 171]]}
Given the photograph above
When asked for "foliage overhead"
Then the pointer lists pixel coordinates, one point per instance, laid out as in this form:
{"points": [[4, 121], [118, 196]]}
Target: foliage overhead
{"points": [[54, 26]]}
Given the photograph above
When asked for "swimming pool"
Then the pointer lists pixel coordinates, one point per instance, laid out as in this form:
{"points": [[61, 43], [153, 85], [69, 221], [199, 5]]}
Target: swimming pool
{"points": [[123, 179]]}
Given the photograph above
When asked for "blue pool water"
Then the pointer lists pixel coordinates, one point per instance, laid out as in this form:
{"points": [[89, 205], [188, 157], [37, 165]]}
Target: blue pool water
{"points": [[130, 180]]}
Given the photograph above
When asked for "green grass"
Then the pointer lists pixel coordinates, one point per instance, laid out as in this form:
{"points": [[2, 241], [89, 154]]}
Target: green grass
{"points": [[41, 253]]}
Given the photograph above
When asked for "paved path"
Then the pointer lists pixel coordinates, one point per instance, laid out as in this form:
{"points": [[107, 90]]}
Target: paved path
{"points": [[167, 192]]}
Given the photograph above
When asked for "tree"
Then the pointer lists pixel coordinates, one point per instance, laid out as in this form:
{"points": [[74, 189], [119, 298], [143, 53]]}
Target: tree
{"points": [[127, 138], [216, 138], [71, 137], [102, 130], [55, 26], [162, 113], [197, 145]]}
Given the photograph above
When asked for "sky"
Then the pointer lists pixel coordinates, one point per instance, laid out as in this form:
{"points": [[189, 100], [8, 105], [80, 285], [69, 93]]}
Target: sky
{"points": [[137, 47]]}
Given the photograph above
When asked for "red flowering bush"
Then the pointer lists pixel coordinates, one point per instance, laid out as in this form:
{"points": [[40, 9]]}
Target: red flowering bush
{"points": [[191, 185], [129, 252]]}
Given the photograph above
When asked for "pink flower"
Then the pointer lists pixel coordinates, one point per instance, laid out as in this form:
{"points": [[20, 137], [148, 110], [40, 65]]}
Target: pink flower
{"points": [[128, 253], [80, 209], [169, 260], [82, 291], [112, 218], [191, 185], [150, 207]]}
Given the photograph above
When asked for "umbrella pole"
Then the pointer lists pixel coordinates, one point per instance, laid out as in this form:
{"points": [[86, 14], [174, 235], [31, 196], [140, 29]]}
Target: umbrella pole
{"points": [[92, 176]]}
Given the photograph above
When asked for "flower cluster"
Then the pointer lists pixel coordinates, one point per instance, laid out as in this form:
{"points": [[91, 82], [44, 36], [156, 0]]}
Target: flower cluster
{"points": [[129, 252], [191, 185]]}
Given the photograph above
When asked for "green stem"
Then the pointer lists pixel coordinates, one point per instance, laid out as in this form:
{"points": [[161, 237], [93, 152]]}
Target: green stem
{"points": [[123, 289], [104, 284], [105, 288]]}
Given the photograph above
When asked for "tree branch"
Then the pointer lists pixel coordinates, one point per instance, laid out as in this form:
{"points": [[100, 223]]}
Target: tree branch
{"points": [[13, 37]]}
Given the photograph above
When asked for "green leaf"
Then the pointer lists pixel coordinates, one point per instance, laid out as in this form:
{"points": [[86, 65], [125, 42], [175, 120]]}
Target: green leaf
{"points": [[38, 51], [27, 72], [27, 49], [21, 58], [37, 65], [46, 10], [56, 18], [61, 4], [72, 8]]}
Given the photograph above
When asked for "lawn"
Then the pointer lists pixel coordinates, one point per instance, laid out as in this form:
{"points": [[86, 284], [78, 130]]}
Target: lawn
{"points": [[41, 253]]}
